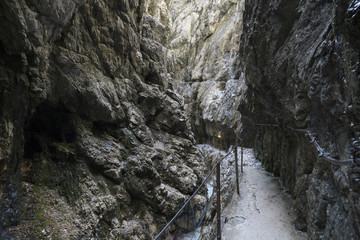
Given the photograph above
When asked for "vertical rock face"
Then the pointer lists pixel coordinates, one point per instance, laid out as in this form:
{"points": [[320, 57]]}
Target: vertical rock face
{"points": [[94, 142], [100, 99], [301, 65], [204, 44]]}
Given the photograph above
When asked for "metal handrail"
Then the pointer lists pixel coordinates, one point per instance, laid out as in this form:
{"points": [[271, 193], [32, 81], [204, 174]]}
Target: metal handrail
{"points": [[321, 151], [192, 196]]}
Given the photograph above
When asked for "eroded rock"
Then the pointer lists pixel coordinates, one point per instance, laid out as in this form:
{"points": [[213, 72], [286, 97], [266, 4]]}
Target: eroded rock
{"points": [[89, 117], [301, 70]]}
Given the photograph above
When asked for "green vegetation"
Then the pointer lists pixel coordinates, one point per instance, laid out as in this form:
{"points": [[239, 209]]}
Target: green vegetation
{"points": [[40, 218]]}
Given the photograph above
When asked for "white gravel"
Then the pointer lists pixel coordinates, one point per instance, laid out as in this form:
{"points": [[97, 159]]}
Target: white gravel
{"points": [[262, 211]]}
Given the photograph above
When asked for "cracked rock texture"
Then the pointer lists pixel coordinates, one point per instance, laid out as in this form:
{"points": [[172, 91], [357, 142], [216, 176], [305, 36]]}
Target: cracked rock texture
{"points": [[300, 62], [203, 45], [102, 101], [94, 141]]}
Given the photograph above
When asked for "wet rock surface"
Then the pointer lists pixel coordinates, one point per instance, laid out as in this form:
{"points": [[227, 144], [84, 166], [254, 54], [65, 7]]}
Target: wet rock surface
{"points": [[301, 68], [204, 44], [94, 142], [102, 101], [93, 111]]}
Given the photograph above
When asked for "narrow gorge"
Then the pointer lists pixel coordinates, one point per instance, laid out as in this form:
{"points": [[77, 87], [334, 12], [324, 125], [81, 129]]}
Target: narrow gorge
{"points": [[113, 112]]}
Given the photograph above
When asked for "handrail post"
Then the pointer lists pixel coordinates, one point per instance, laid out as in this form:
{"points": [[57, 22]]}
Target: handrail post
{"points": [[237, 166], [217, 167], [218, 208], [242, 159]]}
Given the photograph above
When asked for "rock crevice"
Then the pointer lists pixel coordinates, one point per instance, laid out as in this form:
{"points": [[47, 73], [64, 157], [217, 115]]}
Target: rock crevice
{"points": [[102, 104], [89, 117]]}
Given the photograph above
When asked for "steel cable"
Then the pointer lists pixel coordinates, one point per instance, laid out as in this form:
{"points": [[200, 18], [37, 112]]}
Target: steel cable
{"points": [[321, 152], [192, 196]]}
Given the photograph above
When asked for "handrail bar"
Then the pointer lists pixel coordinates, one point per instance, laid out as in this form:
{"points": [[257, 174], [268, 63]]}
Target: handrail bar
{"points": [[192, 196], [321, 152]]}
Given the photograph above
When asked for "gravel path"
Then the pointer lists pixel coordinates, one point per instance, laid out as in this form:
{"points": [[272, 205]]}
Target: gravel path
{"points": [[262, 211]]}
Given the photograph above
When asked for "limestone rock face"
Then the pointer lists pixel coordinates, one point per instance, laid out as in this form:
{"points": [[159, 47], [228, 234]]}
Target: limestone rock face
{"points": [[300, 62], [94, 141], [203, 45], [102, 101]]}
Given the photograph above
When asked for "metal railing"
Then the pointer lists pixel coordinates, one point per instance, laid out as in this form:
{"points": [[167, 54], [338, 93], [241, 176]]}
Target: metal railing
{"points": [[321, 153], [218, 207], [320, 150]]}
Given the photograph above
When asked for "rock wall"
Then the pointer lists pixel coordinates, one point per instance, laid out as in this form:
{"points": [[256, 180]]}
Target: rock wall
{"points": [[102, 100], [203, 45], [94, 141], [300, 62]]}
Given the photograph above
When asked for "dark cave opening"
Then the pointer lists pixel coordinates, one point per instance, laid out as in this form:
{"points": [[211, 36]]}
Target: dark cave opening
{"points": [[32, 146], [50, 123]]}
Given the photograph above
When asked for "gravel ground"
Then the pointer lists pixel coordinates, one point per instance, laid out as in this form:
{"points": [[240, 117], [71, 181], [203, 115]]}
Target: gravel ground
{"points": [[262, 211]]}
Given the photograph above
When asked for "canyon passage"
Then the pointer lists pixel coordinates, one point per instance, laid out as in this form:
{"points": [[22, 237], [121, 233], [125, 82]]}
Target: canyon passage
{"points": [[114, 112]]}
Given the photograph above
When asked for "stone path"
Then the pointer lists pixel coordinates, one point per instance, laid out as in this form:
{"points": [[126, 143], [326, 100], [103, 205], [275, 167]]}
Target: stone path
{"points": [[262, 211]]}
